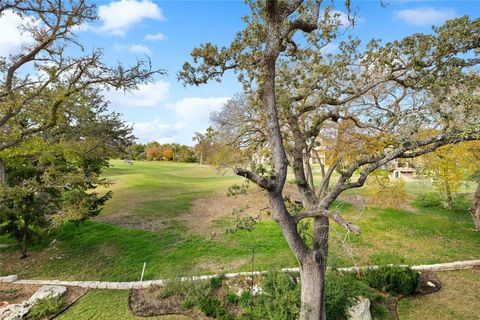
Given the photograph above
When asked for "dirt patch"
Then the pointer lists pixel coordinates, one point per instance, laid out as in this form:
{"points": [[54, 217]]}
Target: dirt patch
{"points": [[206, 211], [146, 303]]}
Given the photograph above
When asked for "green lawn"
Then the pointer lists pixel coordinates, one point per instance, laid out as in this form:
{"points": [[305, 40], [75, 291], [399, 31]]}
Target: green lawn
{"points": [[101, 251], [106, 305]]}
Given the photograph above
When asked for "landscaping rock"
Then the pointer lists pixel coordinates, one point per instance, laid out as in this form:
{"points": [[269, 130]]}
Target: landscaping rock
{"points": [[10, 278], [360, 310], [47, 292], [19, 311]]}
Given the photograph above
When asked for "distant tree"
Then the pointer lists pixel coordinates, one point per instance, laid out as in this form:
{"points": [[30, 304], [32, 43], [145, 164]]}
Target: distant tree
{"points": [[153, 152], [388, 92], [47, 78], [204, 143], [167, 153], [450, 167], [135, 151]]}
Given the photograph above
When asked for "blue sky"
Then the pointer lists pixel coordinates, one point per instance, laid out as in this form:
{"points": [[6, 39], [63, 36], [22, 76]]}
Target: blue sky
{"points": [[167, 31]]}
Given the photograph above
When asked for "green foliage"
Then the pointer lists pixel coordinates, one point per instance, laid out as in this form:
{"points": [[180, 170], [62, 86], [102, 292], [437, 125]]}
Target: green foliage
{"points": [[243, 221], [46, 307], [209, 305], [393, 279], [245, 298], [187, 303], [280, 298], [435, 200], [429, 200], [216, 282], [236, 189], [379, 312], [341, 291], [232, 298]]}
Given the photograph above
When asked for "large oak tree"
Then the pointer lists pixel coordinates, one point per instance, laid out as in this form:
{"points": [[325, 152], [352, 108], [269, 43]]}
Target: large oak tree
{"points": [[379, 100]]}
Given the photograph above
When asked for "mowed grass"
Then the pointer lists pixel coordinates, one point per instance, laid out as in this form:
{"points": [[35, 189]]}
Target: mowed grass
{"points": [[100, 251], [106, 305], [161, 189]]}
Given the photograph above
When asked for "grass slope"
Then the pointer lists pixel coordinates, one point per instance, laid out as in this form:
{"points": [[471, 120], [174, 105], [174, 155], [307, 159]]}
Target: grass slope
{"points": [[99, 251]]}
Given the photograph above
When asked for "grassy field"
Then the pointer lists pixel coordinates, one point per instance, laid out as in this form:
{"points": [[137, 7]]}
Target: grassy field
{"points": [[148, 191]]}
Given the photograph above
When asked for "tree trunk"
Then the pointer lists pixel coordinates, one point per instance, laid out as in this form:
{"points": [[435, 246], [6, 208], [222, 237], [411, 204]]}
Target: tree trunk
{"points": [[449, 197], [313, 269], [201, 158], [24, 240], [475, 211], [3, 176], [312, 277]]}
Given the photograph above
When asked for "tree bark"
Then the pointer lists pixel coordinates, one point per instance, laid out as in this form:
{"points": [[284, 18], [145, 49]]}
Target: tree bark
{"points": [[3, 175], [312, 278], [24, 240], [449, 196], [475, 211]]}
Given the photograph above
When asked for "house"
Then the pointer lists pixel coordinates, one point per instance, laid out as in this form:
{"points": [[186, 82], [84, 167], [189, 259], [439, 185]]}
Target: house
{"points": [[401, 169]]}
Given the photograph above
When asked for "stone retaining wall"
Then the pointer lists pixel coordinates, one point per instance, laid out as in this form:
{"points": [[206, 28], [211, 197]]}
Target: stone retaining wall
{"points": [[145, 284]]}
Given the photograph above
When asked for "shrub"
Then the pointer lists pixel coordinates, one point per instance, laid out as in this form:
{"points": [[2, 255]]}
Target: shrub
{"points": [[46, 307], [429, 200], [280, 299], [232, 298], [341, 292], [216, 282], [394, 279], [212, 307], [187, 303]]}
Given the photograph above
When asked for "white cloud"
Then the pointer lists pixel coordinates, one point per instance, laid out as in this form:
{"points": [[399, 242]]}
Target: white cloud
{"points": [[117, 17], [155, 37], [140, 48], [194, 109], [133, 48], [11, 36], [191, 114], [147, 95], [425, 16]]}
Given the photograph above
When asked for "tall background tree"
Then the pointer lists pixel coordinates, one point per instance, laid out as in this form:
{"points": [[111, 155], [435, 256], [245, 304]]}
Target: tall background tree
{"points": [[379, 100]]}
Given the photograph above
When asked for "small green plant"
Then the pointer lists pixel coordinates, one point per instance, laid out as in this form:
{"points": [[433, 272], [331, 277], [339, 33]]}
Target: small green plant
{"points": [[187, 303], [212, 307], [245, 298], [46, 307], [172, 288], [216, 282], [232, 298], [393, 279]]}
